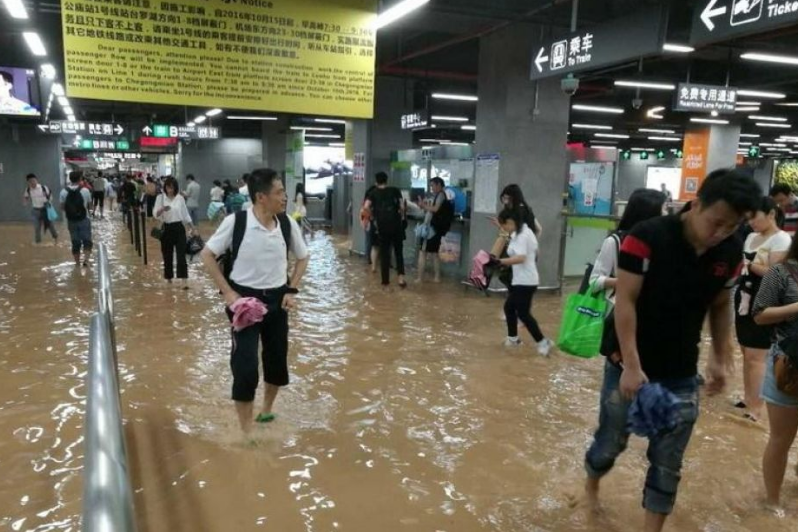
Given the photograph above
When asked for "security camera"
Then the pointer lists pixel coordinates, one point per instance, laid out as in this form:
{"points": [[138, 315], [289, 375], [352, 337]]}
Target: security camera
{"points": [[637, 103], [569, 85]]}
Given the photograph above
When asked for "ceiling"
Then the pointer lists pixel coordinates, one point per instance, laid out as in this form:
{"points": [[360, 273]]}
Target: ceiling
{"points": [[437, 48]]}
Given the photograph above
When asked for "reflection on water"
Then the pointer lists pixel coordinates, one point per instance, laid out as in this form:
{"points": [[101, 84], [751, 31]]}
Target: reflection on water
{"points": [[404, 412]]}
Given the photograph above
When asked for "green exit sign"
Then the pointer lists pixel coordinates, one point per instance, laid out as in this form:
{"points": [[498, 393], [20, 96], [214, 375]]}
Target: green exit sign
{"points": [[160, 130], [122, 145], [643, 155], [86, 144], [754, 151], [626, 155], [660, 155]]}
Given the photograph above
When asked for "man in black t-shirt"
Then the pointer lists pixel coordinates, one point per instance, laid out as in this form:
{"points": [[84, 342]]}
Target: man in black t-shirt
{"points": [[671, 271], [387, 208]]}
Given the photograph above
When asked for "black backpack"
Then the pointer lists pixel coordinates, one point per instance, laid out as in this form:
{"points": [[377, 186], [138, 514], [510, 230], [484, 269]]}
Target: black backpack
{"points": [[74, 206], [442, 220], [387, 211], [228, 258]]}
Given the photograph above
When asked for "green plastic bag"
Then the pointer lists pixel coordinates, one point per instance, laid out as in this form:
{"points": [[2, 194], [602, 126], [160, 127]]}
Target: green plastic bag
{"points": [[582, 324]]}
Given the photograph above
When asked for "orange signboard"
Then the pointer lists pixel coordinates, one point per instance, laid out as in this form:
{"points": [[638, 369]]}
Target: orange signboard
{"points": [[694, 164]]}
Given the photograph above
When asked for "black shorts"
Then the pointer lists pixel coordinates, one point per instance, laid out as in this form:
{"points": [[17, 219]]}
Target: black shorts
{"points": [[272, 333], [749, 334], [431, 245]]}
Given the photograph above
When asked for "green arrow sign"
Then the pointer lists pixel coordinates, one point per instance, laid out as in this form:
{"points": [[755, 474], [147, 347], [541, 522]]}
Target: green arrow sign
{"points": [[643, 155], [160, 130], [86, 144], [753, 151], [122, 145]]}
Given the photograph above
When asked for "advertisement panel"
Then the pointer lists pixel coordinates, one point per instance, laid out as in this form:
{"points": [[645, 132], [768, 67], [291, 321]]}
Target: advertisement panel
{"points": [[694, 162], [299, 56]]}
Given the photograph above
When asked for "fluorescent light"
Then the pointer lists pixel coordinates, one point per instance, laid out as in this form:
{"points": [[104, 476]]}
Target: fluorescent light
{"points": [[678, 48], [58, 89], [770, 58], [63, 100], [714, 113], [428, 140], [663, 131], [646, 85], [200, 119], [457, 97], [603, 147], [337, 145], [68, 110], [611, 135], [788, 104], [272, 118], [643, 149], [329, 121], [591, 126], [709, 121], [768, 118], [34, 43], [450, 118], [666, 139], [750, 135], [213, 112], [48, 71], [757, 104], [468, 128], [654, 112], [396, 12], [761, 94], [773, 144], [597, 109], [303, 128], [321, 136], [191, 124], [16, 9], [746, 109], [71, 118], [450, 143], [770, 124], [744, 143]]}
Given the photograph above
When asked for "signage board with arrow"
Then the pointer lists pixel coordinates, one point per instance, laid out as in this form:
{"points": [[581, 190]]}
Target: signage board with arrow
{"points": [[638, 35], [166, 131], [718, 20], [105, 129]]}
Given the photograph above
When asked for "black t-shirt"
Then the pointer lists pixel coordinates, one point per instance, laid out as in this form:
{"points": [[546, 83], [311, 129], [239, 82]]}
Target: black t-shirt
{"points": [[129, 192], [678, 288], [386, 204]]}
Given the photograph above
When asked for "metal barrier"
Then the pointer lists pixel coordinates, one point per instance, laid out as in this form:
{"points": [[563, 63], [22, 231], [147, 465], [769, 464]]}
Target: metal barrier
{"points": [[107, 495]]}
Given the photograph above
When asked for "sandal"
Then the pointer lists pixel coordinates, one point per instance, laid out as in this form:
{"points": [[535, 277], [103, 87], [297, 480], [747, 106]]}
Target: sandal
{"points": [[750, 417], [265, 418], [740, 404]]}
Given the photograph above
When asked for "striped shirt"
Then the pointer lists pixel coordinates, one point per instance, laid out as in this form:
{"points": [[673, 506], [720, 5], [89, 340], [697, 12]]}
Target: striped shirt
{"points": [[778, 289]]}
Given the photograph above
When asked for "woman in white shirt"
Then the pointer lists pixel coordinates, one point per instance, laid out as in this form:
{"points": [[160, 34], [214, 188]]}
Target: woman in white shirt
{"points": [[216, 210], [170, 209], [522, 253], [765, 247]]}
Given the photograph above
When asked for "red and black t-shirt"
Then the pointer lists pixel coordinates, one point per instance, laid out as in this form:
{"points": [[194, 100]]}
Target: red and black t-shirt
{"points": [[678, 288]]}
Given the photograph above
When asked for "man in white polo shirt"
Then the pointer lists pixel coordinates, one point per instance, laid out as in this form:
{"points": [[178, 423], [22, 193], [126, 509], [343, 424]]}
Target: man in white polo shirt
{"points": [[255, 243]]}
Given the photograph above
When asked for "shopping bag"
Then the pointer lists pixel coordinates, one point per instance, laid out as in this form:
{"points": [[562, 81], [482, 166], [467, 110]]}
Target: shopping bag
{"points": [[582, 324], [52, 214]]}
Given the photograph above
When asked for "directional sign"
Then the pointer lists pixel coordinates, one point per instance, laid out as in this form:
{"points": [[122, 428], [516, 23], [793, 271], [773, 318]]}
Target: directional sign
{"points": [[105, 129], [101, 145], [417, 120], [166, 131], [638, 35], [718, 20], [707, 98]]}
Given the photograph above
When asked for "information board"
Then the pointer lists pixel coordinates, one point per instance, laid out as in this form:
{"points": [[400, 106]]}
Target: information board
{"points": [[89, 128], [299, 56], [181, 132], [486, 186], [692, 97], [718, 20]]}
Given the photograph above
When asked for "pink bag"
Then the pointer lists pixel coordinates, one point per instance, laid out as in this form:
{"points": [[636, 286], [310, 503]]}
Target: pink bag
{"points": [[247, 311], [477, 276]]}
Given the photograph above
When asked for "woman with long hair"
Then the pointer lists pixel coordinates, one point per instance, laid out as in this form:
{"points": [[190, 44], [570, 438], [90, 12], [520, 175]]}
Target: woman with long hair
{"points": [[171, 210], [300, 207], [766, 246], [513, 198]]}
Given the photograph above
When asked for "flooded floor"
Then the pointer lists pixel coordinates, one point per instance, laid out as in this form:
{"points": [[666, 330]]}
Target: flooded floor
{"points": [[404, 412]]}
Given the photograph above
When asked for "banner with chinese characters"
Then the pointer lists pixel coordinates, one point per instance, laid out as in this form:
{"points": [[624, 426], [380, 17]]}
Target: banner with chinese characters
{"points": [[694, 162], [707, 98], [298, 56]]}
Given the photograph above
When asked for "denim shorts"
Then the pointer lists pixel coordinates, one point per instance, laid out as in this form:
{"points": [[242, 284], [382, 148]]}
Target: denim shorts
{"points": [[80, 234], [770, 392], [665, 451]]}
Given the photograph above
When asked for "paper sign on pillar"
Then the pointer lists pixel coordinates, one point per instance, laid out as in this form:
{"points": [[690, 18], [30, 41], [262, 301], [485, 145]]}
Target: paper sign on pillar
{"points": [[694, 162]]}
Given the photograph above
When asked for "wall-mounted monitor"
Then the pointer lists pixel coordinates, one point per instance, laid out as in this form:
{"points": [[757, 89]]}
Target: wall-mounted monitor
{"points": [[18, 94]]}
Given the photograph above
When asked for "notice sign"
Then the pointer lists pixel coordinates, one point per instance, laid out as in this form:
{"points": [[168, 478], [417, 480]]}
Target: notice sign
{"points": [[298, 56], [417, 120], [694, 163], [718, 20], [692, 97], [359, 168], [639, 35], [89, 128]]}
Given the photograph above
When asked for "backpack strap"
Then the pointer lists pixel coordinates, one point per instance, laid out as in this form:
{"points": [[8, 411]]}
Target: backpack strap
{"points": [[285, 228], [239, 229]]}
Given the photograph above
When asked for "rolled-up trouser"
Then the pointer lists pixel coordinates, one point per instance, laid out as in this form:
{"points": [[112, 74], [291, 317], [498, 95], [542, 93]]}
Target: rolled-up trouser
{"points": [[272, 332], [80, 235], [665, 451], [40, 219]]}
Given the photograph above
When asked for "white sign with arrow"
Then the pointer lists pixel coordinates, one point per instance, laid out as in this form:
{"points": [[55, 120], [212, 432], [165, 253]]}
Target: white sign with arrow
{"points": [[719, 20], [710, 12], [541, 59]]}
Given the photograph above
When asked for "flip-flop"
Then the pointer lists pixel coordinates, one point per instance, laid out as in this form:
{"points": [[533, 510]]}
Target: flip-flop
{"points": [[265, 418], [740, 404]]}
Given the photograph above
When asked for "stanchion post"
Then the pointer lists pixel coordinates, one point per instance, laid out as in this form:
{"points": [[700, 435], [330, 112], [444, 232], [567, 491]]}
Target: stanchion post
{"points": [[129, 220], [144, 235], [137, 231]]}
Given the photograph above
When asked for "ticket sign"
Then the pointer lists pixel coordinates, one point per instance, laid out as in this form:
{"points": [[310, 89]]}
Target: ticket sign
{"points": [[638, 35], [417, 120], [166, 131], [88, 128], [692, 97], [718, 20], [300, 56]]}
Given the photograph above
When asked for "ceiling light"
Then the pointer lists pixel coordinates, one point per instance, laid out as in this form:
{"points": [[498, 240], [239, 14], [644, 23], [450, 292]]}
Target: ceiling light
{"points": [[34, 43], [591, 126], [396, 12], [191, 124], [48, 71], [663, 131], [337, 145], [450, 118], [746, 109], [71, 118], [251, 117], [654, 112], [744, 143], [468, 128], [213, 112], [597, 141], [761, 94], [321, 136], [603, 147], [597, 109], [611, 135], [750, 135], [329, 121], [428, 140], [773, 144], [16, 9], [450, 143], [771, 124], [753, 103], [788, 104], [709, 121], [678, 48], [646, 85], [643, 149], [768, 118], [666, 139], [771, 58], [63, 100], [58, 89], [714, 113], [304, 128], [200, 119], [68, 111], [457, 97]]}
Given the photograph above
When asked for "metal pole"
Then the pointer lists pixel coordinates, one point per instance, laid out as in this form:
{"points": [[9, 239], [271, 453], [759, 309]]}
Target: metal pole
{"points": [[574, 14], [137, 231], [144, 235], [130, 223]]}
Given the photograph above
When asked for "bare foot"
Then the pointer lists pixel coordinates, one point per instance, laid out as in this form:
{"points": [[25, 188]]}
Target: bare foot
{"points": [[592, 496]]}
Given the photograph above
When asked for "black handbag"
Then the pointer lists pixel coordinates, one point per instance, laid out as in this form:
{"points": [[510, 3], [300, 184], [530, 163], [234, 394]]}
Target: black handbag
{"points": [[156, 233]]}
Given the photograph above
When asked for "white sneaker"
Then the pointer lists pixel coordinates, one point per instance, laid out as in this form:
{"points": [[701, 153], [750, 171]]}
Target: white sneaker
{"points": [[512, 342], [544, 347]]}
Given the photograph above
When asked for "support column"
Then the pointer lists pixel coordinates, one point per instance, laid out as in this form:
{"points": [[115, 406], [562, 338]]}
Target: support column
{"points": [[274, 144], [526, 124]]}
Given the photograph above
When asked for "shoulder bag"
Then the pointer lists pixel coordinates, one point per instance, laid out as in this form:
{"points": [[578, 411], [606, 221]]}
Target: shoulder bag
{"points": [[785, 367]]}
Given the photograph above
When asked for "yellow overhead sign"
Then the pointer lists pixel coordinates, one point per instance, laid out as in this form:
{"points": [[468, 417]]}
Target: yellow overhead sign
{"points": [[298, 56]]}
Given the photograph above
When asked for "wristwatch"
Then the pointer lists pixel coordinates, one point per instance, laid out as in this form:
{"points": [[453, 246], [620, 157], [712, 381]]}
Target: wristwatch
{"points": [[291, 290]]}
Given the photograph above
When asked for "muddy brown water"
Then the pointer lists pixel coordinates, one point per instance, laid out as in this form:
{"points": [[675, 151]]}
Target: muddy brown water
{"points": [[405, 413]]}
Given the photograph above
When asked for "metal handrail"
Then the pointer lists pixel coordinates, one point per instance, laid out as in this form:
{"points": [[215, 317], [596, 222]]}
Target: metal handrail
{"points": [[107, 494]]}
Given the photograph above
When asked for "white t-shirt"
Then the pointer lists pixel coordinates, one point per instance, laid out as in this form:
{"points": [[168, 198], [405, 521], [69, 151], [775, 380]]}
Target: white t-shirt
{"points": [[83, 192], [193, 194], [299, 205], [777, 243], [100, 184], [262, 262], [37, 196], [217, 194], [177, 213], [524, 242]]}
